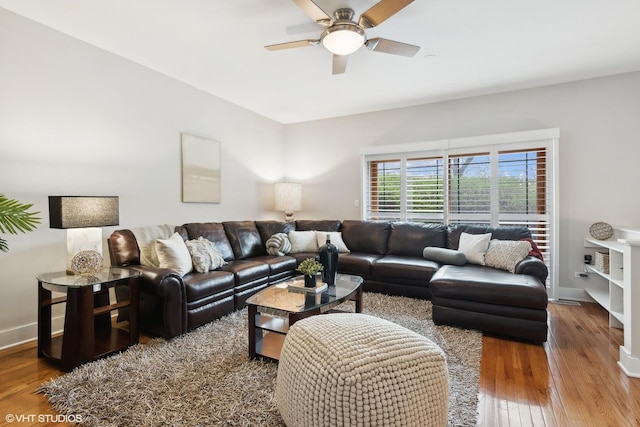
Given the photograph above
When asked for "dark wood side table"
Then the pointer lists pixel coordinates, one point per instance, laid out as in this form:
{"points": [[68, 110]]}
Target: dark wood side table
{"points": [[88, 330]]}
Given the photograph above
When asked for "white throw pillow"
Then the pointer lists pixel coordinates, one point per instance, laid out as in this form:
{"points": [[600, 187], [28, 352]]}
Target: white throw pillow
{"points": [[506, 254], [174, 255], [204, 255], [334, 236], [303, 241], [474, 246]]}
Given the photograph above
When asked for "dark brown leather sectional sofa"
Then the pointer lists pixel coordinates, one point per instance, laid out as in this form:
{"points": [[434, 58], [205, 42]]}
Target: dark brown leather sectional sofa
{"points": [[388, 255]]}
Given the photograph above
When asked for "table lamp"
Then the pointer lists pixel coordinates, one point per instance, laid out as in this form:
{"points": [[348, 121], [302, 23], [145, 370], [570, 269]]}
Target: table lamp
{"points": [[288, 198], [81, 216]]}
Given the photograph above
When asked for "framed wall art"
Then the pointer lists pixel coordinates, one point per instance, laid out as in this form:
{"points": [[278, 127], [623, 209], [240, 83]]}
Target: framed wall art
{"points": [[201, 177]]}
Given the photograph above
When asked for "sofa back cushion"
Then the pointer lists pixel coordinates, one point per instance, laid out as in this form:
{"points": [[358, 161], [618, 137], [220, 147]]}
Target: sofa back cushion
{"points": [[213, 231], [409, 239], [123, 248], [366, 236], [269, 228], [504, 232], [318, 225], [244, 238]]}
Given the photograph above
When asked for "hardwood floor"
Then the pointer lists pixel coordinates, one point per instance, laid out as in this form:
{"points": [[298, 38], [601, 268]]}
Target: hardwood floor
{"points": [[571, 380]]}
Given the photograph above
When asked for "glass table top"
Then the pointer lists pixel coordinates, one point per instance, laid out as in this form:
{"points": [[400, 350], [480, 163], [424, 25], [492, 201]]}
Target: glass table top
{"points": [[106, 275], [278, 299]]}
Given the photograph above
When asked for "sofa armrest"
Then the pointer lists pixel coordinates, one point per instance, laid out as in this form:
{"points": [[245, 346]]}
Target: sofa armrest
{"points": [[533, 267], [168, 286], [159, 281]]}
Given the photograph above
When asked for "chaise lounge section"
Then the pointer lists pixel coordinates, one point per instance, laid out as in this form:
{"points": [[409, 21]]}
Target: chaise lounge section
{"points": [[389, 256]]}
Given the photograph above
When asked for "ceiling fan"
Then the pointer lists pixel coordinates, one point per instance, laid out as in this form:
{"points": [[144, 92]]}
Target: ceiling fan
{"points": [[343, 36]]}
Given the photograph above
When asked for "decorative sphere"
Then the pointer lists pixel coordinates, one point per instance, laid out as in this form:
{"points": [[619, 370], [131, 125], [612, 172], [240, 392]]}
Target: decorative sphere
{"points": [[86, 263]]}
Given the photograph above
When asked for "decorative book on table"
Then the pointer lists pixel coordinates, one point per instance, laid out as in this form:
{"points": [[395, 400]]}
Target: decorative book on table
{"points": [[297, 285]]}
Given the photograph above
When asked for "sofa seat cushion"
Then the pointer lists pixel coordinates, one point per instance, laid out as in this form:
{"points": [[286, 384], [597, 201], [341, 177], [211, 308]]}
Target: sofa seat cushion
{"points": [[201, 285], [508, 311], [301, 256], [406, 270], [277, 264], [246, 271], [488, 285], [357, 263]]}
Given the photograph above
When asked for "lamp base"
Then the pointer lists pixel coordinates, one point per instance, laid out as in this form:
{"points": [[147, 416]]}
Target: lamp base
{"points": [[82, 239], [288, 217]]}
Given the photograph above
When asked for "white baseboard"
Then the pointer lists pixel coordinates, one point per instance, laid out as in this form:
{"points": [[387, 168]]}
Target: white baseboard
{"points": [[574, 294], [26, 333]]}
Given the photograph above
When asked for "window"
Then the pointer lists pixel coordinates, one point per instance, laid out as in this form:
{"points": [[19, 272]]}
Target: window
{"points": [[507, 182], [470, 188], [384, 188]]}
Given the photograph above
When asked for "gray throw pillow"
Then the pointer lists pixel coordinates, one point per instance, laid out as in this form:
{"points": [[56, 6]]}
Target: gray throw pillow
{"points": [[444, 255], [278, 244]]}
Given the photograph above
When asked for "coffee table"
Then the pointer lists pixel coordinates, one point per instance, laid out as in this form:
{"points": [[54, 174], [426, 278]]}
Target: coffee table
{"points": [[274, 309]]}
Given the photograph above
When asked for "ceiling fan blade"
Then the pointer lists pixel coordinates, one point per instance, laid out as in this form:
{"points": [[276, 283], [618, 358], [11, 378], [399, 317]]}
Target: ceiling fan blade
{"points": [[339, 64], [308, 27], [389, 46], [313, 10], [382, 11], [291, 45]]}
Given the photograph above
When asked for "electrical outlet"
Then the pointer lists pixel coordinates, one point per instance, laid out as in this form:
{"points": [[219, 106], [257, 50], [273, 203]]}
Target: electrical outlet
{"points": [[580, 275]]}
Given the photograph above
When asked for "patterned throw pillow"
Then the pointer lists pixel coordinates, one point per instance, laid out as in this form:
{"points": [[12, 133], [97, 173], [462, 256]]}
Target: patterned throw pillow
{"points": [[204, 255], [278, 244], [506, 254]]}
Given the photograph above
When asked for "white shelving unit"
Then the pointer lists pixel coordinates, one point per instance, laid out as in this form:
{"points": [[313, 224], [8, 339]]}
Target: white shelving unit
{"points": [[619, 291]]}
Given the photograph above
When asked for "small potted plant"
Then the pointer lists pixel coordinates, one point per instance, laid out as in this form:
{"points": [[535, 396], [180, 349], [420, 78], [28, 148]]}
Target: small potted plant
{"points": [[310, 268]]}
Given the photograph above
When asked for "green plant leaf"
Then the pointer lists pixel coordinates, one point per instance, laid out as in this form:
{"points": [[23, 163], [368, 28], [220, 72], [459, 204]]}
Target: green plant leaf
{"points": [[15, 218]]}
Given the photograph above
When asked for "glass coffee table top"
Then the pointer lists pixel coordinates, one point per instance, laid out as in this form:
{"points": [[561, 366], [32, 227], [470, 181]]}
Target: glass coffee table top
{"points": [[105, 275], [278, 300]]}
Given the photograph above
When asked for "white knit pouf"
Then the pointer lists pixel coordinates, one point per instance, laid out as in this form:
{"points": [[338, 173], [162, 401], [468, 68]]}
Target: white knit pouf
{"points": [[357, 370]]}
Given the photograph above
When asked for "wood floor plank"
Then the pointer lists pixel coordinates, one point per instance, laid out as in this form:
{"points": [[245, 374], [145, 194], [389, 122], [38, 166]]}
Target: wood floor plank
{"points": [[571, 380]]}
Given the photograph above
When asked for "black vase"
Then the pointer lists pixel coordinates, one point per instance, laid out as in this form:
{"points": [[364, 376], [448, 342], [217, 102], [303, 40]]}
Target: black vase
{"points": [[328, 255]]}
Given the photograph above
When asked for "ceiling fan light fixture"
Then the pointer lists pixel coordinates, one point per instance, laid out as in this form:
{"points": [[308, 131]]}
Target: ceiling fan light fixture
{"points": [[343, 39]]}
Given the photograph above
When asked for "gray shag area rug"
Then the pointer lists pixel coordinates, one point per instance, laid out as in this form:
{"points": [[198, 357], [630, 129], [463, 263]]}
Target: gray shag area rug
{"points": [[204, 378]]}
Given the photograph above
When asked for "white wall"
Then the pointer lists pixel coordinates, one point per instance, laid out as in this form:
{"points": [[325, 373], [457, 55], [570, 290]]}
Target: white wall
{"points": [[76, 120], [599, 152]]}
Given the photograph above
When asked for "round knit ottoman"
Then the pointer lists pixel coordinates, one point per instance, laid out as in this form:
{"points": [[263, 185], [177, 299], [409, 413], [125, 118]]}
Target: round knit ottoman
{"points": [[354, 369]]}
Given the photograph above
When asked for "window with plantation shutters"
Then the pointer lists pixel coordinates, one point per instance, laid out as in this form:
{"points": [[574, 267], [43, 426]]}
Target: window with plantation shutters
{"points": [[487, 182], [522, 193], [424, 189], [384, 189], [470, 188]]}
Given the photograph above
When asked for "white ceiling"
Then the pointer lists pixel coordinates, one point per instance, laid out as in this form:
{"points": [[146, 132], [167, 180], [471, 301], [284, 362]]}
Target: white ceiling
{"points": [[469, 47]]}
